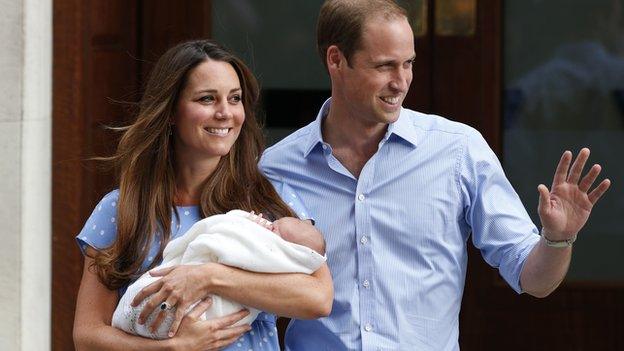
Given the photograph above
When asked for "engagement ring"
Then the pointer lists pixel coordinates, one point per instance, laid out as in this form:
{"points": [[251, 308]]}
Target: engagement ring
{"points": [[165, 306]]}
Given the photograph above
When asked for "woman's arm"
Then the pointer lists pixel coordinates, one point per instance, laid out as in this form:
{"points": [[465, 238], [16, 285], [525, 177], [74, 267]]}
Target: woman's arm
{"points": [[294, 295], [93, 331], [289, 295]]}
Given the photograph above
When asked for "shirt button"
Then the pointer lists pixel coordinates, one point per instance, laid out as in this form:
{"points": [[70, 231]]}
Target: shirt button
{"points": [[363, 240], [366, 283], [361, 197], [368, 327], [324, 147]]}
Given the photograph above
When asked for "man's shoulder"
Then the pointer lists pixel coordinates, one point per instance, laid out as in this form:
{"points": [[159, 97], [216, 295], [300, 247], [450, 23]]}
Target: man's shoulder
{"points": [[434, 123], [296, 141]]}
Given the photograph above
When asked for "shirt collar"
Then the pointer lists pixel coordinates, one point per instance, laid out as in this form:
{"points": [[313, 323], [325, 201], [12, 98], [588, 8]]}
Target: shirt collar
{"points": [[316, 136], [402, 127]]}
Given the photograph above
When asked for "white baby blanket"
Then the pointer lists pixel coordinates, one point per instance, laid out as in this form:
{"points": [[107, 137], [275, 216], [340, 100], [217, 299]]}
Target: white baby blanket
{"points": [[231, 239]]}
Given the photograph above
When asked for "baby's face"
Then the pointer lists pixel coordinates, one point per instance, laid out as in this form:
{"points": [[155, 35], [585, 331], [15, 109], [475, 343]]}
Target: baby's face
{"points": [[293, 230], [286, 227]]}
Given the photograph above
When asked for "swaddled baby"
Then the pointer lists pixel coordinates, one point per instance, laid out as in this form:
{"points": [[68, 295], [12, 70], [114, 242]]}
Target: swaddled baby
{"points": [[238, 239]]}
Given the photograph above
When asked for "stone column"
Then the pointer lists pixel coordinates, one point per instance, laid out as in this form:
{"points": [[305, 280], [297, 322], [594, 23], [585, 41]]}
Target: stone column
{"points": [[25, 173]]}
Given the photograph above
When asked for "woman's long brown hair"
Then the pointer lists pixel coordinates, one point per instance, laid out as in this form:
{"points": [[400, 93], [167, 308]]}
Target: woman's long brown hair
{"points": [[145, 164]]}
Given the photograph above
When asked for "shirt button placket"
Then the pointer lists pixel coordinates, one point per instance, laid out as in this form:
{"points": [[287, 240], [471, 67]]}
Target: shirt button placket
{"points": [[362, 204]]}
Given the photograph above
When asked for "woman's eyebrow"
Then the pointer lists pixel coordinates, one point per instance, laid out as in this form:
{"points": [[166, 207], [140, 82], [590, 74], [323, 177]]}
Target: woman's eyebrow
{"points": [[215, 90]]}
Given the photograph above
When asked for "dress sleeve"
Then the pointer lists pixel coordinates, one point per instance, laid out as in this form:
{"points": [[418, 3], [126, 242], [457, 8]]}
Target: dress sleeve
{"points": [[100, 230]]}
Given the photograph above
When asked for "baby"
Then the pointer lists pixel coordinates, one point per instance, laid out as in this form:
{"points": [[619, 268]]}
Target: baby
{"points": [[293, 230], [238, 239]]}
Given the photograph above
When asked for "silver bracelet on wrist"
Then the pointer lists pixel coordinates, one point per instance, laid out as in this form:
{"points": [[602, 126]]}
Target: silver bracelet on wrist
{"points": [[558, 243]]}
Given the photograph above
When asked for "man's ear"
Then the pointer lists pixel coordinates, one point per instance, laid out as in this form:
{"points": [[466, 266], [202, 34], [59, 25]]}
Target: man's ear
{"points": [[335, 58]]}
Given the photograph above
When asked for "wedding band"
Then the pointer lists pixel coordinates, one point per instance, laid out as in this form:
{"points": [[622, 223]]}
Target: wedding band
{"points": [[165, 306]]}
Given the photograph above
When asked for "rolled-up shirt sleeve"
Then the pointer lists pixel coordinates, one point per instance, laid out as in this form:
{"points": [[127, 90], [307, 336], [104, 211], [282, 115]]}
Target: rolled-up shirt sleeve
{"points": [[501, 228]]}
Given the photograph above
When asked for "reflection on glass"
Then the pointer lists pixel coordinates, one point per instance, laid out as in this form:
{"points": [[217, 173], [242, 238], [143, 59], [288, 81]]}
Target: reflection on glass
{"points": [[564, 89], [276, 39], [455, 17], [417, 11]]}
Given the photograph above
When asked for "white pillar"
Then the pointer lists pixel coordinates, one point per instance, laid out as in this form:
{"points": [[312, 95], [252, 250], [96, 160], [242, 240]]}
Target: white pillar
{"points": [[25, 174]]}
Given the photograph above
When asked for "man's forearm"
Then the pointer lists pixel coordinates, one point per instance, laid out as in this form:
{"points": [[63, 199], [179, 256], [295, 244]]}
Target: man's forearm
{"points": [[544, 269], [294, 295]]}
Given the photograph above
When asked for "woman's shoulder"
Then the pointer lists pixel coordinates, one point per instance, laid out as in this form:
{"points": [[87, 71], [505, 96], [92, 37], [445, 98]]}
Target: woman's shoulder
{"points": [[106, 209], [100, 229], [112, 196]]}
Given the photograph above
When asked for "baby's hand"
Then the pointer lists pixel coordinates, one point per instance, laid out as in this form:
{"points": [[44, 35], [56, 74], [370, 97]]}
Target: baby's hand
{"points": [[261, 221]]}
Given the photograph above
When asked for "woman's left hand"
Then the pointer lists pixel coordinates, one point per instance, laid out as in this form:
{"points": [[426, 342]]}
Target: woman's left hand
{"points": [[179, 287]]}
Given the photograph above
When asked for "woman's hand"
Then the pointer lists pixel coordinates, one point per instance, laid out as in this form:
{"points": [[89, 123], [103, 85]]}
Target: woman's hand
{"points": [[209, 335], [180, 287], [93, 331]]}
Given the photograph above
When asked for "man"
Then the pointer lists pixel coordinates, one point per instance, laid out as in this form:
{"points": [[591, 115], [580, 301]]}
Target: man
{"points": [[397, 194]]}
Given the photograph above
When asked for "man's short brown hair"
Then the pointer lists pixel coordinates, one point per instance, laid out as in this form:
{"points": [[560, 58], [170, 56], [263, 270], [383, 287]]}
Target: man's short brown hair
{"points": [[341, 23]]}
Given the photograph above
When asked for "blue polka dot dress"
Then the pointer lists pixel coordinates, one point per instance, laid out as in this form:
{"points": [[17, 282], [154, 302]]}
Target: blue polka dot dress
{"points": [[100, 231]]}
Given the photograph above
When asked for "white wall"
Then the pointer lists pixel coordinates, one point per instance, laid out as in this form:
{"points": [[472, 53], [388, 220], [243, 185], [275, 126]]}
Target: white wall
{"points": [[25, 173]]}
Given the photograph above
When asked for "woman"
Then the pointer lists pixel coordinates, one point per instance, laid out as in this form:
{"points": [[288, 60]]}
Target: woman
{"points": [[191, 153]]}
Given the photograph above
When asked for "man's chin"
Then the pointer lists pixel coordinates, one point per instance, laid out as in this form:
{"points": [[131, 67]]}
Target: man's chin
{"points": [[390, 116]]}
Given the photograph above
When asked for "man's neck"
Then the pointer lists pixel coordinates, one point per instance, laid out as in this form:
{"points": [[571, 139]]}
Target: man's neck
{"points": [[353, 141]]}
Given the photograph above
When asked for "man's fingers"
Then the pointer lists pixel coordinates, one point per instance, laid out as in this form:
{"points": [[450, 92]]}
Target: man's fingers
{"points": [[589, 178], [577, 166], [544, 198], [145, 292], [161, 272], [562, 168], [200, 308], [595, 194], [230, 319]]}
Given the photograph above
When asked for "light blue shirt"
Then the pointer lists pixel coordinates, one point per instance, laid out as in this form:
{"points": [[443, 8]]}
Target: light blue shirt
{"points": [[397, 235], [100, 231]]}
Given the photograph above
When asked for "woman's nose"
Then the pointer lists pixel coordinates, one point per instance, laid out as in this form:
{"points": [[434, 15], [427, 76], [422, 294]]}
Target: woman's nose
{"points": [[223, 111]]}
